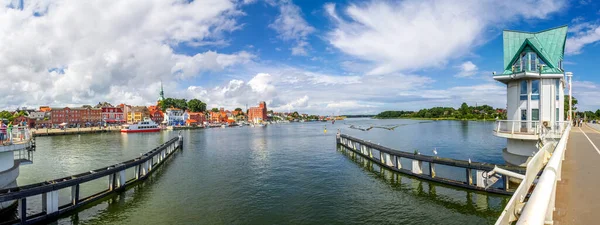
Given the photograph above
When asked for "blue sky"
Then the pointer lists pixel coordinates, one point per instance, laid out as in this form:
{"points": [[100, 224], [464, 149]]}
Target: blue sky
{"points": [[326, 57]]}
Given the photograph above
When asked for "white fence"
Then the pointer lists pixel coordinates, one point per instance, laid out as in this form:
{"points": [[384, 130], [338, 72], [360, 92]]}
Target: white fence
{"points": [[517, 127], [538, 209]]}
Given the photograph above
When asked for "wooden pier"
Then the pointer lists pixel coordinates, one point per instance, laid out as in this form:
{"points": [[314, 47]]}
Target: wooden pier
{"points": [[115, 176], [476, 173]]}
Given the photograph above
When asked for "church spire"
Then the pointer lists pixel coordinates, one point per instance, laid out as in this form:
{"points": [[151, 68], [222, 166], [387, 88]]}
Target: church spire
{"points": [[162, 93]]}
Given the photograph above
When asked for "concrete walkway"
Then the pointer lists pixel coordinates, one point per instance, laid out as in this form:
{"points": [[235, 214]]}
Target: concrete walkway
{"points": [[578, 193]]}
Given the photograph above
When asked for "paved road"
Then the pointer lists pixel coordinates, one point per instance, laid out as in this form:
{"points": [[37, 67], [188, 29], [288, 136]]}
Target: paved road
{"points": [[578, 193]]}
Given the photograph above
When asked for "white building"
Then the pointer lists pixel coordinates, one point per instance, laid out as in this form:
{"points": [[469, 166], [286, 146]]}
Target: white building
{"points": [[174, 117], [535, 84]]}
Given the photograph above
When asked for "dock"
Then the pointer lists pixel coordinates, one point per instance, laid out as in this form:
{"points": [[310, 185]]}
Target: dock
{"points": [[69, 131], [576, 198]]}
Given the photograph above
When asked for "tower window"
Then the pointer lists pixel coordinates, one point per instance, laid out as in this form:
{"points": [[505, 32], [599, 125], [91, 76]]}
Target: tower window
{"points": [[523, 90], [535, 90]]}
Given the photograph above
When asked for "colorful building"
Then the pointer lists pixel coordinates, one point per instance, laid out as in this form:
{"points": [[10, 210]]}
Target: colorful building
{"points": [[174, 117], [258, 114], [195, 118], [113, 115], [77, 115], [157, 116], [137, 113]]}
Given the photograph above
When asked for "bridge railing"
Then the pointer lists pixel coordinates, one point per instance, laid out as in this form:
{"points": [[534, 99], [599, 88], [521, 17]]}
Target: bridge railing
{"points": [[142, 166], [539, 206], [391, 159]]}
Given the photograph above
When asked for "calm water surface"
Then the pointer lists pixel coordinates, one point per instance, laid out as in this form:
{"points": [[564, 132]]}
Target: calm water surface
{"points": [[279, 174]]}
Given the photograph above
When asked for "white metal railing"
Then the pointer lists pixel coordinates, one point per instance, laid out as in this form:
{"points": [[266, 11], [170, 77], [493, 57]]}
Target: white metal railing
{"points": [[17, 135], [540, 205], [517, 127]]}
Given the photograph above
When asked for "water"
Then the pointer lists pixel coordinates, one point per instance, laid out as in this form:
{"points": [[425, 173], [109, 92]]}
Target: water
{"points": [[279, 174]]}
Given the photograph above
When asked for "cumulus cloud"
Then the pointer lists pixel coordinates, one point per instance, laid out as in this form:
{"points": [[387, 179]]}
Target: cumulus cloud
{"points": [[582, 34], [291, 26], [467, 69], [69, 52], [417, 34]]}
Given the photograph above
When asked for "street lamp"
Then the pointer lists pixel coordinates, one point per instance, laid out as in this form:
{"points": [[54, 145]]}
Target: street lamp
{"points": [[570, 76]]}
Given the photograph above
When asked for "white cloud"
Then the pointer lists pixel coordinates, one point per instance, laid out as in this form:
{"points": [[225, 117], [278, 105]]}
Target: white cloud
{"points": [[69, 52], [467, 69], [291, 26], [417, 34], [586, 93], [582, 34], [187, 66]]}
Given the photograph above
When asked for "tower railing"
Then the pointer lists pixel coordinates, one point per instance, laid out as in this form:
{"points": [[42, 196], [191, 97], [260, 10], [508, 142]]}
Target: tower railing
{"points": [[517, 127]]}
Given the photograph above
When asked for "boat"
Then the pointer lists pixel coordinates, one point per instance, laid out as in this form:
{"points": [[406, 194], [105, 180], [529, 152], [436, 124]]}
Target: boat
{"points": [[146, 125]]}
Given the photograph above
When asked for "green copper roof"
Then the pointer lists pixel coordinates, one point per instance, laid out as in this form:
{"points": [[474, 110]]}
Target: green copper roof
{"points": [[549, 44]]}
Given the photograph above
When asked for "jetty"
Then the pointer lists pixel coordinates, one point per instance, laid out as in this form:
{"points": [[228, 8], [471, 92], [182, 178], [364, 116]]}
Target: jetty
{"points": [[479, 176], [115, 176]]}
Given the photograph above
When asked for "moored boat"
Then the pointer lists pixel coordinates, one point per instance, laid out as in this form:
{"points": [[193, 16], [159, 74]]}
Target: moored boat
{"points": [[146, 125]]}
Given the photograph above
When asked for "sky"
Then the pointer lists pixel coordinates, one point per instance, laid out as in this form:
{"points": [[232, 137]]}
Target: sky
{"points": [[318, 57]]}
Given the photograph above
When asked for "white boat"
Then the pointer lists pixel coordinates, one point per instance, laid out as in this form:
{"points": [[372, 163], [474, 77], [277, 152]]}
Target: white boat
{"points": [[146, 125]]}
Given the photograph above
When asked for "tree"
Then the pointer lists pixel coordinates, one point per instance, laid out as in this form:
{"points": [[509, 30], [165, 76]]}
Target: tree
{"points": [[215, 109], [566, 106], [196, 105], [6, 115], [238, 109]]}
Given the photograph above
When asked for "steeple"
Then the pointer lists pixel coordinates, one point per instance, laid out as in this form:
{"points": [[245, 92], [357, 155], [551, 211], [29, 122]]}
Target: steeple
{"points": [[162, 93]]}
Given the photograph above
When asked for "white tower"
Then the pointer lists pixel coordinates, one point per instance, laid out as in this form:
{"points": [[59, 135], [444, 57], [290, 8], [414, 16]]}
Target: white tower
{"points": [[15, 150], [535, 83]]}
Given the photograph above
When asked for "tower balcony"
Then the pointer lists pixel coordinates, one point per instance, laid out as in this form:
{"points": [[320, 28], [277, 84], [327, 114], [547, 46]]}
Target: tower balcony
{"points": [[517, 129]]}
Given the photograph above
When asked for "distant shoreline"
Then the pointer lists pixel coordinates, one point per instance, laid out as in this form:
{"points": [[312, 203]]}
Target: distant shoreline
{"points": [[445, 118]]}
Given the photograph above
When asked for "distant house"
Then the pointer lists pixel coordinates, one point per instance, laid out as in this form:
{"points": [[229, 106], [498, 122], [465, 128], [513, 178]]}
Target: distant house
{"points": [[113, 115], [195, 117], [157, 116], [174, 117]]}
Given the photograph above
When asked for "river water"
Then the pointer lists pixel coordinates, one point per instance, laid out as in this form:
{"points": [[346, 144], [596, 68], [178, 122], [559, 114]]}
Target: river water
{"points": [[279, 174]]}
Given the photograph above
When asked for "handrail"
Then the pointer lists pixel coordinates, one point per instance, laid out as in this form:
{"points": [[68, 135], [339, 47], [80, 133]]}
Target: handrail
{"points": [[540, 207], [60, 183]]}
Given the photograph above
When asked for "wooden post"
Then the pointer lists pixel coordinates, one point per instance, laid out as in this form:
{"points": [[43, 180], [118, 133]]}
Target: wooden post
{"points": [[469, 177], [399, 162], [23, 210], [75, 194], [432, 169], [506, 182]]}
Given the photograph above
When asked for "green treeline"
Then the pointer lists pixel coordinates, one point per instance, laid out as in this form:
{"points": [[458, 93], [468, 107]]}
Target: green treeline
{"points": [[465, 112]]}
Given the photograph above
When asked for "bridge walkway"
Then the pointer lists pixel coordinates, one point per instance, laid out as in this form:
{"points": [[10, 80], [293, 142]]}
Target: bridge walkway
{"points": [[578, 192]]}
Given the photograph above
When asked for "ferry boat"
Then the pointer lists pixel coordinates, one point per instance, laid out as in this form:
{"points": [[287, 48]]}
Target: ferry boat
{"points": [[146, 125]]}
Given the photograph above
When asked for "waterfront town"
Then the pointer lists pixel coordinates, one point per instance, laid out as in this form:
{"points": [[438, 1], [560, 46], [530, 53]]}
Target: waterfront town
{"points": [[187, 114], [439, 112]]}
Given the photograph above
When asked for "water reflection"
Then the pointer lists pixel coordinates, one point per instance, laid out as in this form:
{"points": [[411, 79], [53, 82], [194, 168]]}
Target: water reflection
{"points": [[460, 200]]}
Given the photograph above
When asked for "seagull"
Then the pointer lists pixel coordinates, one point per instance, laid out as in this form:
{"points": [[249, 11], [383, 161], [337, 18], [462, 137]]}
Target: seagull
{"points": [[434, 151], [469, 160]]}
